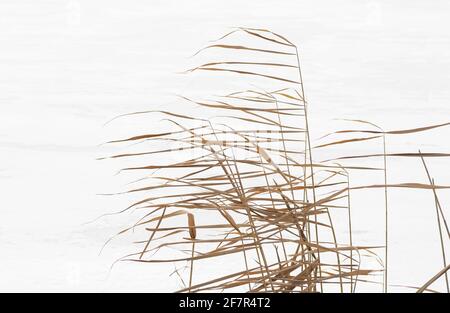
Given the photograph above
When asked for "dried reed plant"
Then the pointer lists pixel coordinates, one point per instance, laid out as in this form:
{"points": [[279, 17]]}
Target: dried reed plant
{"points": [[261, 201]]}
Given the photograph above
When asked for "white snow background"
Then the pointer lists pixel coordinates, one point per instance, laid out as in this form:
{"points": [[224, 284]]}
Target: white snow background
{"points": [[67, 67]]}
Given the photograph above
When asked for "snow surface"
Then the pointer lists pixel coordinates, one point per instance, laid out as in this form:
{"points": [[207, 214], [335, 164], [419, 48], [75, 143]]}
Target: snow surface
{"points": [[67, 67]]}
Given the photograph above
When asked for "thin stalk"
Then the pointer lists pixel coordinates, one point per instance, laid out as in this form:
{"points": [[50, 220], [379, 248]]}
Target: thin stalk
{"points": [[245, 259], [441, 238], [433, 279], [305, 200], [257, 240], [386, 216], [237, 188], [350, 230], [357, 274], [437, 205], [153, 234], [289, 173], [192, 265], [273, 207], [311, 163], [337, 252]]}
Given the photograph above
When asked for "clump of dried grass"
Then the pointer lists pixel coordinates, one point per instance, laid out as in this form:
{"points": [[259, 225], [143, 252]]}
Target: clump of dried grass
{"points": [[268, 209]]}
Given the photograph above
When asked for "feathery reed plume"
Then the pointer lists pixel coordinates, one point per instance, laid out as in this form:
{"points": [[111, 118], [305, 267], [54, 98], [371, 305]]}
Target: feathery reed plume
{"points": [[193, 235]]}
